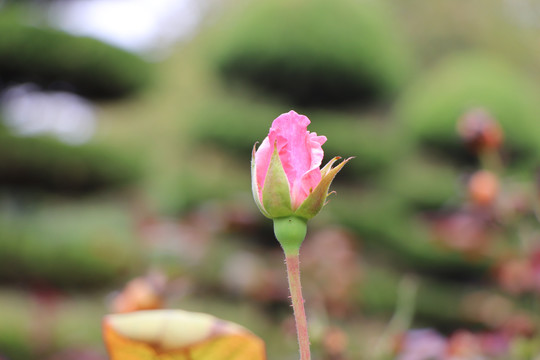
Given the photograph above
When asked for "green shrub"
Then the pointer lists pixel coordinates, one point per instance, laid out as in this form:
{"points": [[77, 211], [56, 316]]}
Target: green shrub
{"points": [[431, 108], [215, 178], [315, 52], [374, 145], [15, 345], [386, 226], [53, 58], [47, 164], [435, 302], [59, 322], [235, 126], [422, 184], [69, 246]]}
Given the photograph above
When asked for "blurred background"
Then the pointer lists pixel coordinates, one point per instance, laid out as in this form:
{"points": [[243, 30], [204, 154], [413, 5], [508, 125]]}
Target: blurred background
{"points": [[126, 130]]}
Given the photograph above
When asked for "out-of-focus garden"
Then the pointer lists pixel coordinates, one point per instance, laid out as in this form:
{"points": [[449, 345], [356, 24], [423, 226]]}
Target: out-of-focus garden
{"points": [[125, 176]]}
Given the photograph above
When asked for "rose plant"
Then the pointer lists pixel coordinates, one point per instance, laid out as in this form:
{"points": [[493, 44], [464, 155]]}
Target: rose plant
{"points": [[290, 188]]}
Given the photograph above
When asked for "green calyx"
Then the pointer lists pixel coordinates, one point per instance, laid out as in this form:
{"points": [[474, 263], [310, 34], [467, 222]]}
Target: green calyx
{"points": [[317, 198], [290, 231], [276, 196]]}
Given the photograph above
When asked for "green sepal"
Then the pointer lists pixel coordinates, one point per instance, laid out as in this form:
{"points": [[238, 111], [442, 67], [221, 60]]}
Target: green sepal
{"points": [[317, 199], [290, 231], [255, 186], [328, 166], [276, 194]]}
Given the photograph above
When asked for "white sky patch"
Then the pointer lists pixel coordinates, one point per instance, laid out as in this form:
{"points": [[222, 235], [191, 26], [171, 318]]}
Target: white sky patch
{"points": [[27, 111], [136, 25]]}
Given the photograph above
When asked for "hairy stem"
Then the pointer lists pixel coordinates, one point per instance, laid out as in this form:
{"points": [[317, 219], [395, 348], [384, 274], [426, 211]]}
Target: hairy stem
{"points": [[293, 273]]}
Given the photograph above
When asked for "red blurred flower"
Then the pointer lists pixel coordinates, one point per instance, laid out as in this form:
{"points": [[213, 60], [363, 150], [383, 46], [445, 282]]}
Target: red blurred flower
{"points": [[465, 231], [479, 130]]}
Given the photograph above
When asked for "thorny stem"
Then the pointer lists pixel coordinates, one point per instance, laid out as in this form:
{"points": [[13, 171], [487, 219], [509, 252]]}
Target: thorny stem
{"points": [[293, 273]]}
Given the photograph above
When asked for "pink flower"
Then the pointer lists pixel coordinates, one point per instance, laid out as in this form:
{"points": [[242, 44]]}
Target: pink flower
{"points": [[422, 344], [286, 175]]}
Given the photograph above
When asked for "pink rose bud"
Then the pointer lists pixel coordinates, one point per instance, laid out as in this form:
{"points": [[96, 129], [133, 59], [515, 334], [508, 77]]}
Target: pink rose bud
{"points": [[285, 170]]}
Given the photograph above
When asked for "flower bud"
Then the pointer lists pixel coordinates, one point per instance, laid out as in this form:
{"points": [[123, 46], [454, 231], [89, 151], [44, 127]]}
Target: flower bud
{"points": [[285, 170]]}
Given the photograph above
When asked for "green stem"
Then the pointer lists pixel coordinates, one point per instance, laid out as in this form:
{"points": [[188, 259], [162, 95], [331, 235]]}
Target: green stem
{"points": [[290, 232], [403, 315], [295, 288]]}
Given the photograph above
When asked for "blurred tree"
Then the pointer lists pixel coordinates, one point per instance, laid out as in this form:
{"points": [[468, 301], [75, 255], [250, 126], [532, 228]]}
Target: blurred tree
{"points": [[50, 57], [310, 58]]}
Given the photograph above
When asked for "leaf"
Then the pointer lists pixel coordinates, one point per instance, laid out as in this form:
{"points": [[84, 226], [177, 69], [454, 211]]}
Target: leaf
{"points": [[178, 335]]}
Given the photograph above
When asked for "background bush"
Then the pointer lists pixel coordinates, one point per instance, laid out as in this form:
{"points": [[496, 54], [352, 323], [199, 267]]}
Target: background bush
{"points": [[54, 59], [388, 228], [193, 204], [44, 163], [423, 184], [235, 125], [68, 246], [431, 108], [316, 52]]}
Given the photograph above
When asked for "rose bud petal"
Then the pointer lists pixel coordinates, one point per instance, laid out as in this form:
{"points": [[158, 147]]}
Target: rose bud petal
{"points": [[286, 175]]}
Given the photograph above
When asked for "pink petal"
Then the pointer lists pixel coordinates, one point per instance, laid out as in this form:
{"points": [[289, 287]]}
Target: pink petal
{"points": [[262, 162], [300, 152]]}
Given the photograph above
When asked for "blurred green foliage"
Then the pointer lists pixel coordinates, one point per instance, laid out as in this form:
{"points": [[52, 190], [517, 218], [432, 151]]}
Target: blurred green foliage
{"points": [[431, 107], [213, 124], [70, 246], [316, 52], [387, 227], [43, 163], [52, 58], [373, 143], [31, 328], [436, 303], [15, 345], [348, 135], [423, 184], [198, 132], [222, 181]]}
